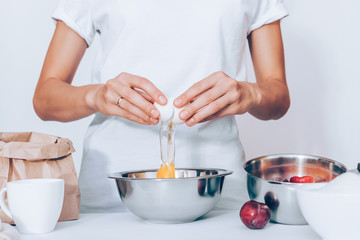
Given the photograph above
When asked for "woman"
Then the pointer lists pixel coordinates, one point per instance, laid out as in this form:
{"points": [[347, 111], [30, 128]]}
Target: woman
{"points": [[191, 50]]}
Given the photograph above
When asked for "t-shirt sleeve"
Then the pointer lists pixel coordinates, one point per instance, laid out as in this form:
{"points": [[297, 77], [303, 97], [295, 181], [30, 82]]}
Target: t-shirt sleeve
{"points": [[77, 15], [267, 11]]}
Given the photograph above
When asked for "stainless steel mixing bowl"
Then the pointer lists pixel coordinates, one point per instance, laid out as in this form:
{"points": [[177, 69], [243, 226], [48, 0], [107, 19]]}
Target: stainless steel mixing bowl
{"points": [[265, 175], [188, 196]]}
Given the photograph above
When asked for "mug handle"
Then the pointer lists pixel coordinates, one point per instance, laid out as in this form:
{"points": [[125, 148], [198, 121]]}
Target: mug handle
{"points": [[3, 204]]}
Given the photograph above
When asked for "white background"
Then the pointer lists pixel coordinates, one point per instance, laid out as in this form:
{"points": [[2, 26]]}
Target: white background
{"points": [[321, 40]]}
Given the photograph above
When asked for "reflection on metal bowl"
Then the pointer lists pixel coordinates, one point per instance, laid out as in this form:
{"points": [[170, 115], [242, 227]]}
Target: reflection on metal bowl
{"points": [[265, 183], [188, 196]]}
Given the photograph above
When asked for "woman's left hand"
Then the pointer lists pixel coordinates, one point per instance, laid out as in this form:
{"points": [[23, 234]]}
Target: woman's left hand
{"points": [[216, 96], [219, 95]]}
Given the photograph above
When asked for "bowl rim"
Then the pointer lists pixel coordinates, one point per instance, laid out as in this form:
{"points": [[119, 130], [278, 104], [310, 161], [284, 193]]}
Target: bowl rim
{"points": [[118, 175], [325, 159]]}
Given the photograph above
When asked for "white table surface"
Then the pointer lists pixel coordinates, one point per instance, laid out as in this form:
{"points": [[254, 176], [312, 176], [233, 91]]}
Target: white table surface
{"points": [[215, 225]]}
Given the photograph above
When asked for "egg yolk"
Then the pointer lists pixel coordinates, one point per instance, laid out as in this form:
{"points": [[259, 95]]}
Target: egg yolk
{"points": [[166, 171]]}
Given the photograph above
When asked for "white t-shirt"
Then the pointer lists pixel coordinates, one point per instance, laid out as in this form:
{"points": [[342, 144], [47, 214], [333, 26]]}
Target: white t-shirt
{"points": [[174, 44]]}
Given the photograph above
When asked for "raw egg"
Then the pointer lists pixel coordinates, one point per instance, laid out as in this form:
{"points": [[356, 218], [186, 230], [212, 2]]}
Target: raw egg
{"points": [[169, 112], [166, 171], [166, 112], [176, 119]]}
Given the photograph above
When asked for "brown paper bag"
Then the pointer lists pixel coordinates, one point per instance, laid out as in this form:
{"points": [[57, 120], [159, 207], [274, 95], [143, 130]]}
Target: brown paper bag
{"points": [[26, 155]]}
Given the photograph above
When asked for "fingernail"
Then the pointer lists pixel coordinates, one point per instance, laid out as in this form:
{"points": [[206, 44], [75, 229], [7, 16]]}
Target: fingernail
{"points": [[177, 102], [162, 99], [183, 114], [153, 121], [155, 113], [191, 121]]}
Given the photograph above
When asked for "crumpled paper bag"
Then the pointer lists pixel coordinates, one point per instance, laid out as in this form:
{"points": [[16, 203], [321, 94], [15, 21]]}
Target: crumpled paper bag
{"points": [[27, 155]]}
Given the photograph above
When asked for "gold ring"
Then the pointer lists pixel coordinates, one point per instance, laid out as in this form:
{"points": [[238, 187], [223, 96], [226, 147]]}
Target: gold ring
{"points": [[119, 101]]}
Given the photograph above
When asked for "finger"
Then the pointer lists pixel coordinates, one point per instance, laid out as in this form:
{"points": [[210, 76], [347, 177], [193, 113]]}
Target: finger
{"points": [[198, 88], [147, 86], [201, 101], [110, 96], [134, 110], [136, 99], [236, 105], [140, 102], [145, 95], [207, 111], [193, 92], [120, 112], [223, 112]]}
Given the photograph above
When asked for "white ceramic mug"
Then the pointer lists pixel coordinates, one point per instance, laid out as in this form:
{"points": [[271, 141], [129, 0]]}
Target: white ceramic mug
{"points": [[34, 204]]}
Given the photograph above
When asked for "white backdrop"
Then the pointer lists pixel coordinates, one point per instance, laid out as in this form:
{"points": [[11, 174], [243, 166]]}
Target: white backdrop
{"points": [[321, 40]]}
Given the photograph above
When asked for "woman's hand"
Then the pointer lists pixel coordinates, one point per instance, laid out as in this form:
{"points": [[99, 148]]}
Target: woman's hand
{"points": [[219, 95], [216, 96], [128, 96]]}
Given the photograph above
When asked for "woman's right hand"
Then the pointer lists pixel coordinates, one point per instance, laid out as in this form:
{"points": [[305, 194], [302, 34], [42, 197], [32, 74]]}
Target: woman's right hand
{"points": [[128, 96]]}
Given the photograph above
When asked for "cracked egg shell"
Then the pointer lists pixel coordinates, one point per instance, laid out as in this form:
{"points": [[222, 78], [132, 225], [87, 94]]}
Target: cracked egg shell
{"points": [[166, 111], [176, 120]]}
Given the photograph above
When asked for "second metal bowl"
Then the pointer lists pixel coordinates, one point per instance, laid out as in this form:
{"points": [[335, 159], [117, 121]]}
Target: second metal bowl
{"points": [[265, 175]]}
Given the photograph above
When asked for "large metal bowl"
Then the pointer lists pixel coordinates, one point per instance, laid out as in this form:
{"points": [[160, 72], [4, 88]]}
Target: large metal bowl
{"points": [[264, 181], [188, 196]]}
